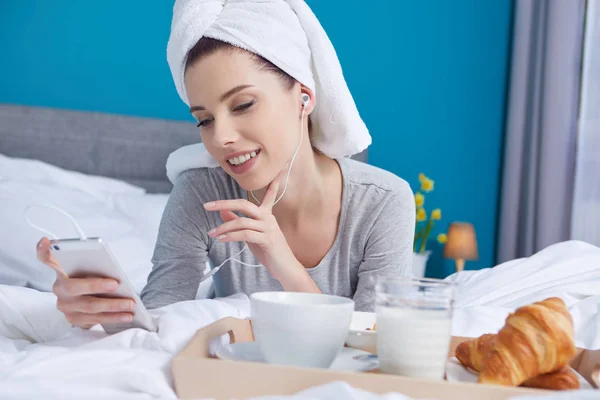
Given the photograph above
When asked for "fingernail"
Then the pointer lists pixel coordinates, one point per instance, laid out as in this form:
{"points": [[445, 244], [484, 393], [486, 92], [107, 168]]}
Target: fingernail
{"points": [[110, 286], [222, 237], [209, 205], [211, 232], [126, 318], [127, 306]]}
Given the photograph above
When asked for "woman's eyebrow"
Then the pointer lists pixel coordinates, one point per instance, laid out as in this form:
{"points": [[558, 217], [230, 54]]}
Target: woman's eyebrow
{"points": [[224, 96]]}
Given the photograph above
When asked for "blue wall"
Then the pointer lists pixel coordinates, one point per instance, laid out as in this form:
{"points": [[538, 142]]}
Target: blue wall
{"points": [[104, 56], [429, 79]]}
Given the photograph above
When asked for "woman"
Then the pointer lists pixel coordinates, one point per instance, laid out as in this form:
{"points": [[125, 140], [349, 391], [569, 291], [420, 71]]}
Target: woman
{"points": [[312, 222]]}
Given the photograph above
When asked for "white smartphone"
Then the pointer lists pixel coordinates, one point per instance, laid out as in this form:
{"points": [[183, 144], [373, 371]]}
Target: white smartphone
{"points": [[92, 258]]}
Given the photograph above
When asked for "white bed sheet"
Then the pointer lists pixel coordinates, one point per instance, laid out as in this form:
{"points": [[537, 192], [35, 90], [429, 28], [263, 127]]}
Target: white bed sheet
{"points": [[569, 270], [42, 356]]}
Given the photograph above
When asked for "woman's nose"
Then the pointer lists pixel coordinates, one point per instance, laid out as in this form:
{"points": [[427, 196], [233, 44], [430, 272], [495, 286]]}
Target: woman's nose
{"points": [[224, 133]]}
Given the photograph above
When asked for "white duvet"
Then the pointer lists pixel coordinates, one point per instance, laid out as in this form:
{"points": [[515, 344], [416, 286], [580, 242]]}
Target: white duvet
{"points": [[41, 356]]}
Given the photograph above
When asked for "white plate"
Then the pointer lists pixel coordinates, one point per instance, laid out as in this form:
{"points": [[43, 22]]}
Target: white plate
{"points": [[358, 335], [456, 372], [250, 351]]}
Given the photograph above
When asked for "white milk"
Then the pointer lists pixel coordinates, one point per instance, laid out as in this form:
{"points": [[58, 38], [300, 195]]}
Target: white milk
{"points": [[413, 342]]}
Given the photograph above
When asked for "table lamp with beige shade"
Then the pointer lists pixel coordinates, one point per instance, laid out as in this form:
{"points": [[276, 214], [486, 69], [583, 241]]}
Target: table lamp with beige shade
{"points": [[461, 244]]}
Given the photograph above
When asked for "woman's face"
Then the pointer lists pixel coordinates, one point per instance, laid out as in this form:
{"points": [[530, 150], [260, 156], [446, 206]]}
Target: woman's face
{"points": [[248, 120]]}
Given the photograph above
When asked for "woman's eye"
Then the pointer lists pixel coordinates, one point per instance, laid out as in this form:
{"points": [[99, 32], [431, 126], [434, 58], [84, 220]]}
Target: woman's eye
{"points": [[203, 123], [245, 106], [241, 107]]}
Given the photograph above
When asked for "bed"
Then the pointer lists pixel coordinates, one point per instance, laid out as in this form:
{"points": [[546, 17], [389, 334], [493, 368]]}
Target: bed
{"points": [[108, 172]]}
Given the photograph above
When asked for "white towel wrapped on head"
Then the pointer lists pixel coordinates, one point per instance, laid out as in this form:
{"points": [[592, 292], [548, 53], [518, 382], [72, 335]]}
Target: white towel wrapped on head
{"points": [[288, 34]]}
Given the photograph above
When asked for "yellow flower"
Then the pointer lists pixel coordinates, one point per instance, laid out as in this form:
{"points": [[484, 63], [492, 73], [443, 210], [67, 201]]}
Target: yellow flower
{"points": [[419, 199], [421, 215], [436, 214], [442, 238], [422, 177], [427, 185]]}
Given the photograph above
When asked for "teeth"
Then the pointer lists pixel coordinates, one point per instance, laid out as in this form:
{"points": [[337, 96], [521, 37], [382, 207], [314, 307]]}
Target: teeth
{"points": [[242, 159]]}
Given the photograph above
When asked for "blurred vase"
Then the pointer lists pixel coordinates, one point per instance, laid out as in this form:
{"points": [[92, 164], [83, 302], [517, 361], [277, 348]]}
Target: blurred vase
{"points": [[419, 263]]}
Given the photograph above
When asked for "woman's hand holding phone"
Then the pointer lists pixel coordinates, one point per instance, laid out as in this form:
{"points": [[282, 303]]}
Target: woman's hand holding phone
{"points": [[78, 298]]}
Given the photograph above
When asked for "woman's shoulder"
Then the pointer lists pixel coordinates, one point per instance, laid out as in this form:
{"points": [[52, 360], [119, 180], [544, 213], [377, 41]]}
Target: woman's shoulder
{"points": [[364, 176], [196, 175], [377, 198]]}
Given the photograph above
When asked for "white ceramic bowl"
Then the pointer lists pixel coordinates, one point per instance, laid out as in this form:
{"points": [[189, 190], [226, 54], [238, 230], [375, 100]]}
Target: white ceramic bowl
{"points": [[359, 337], [301, 329]]}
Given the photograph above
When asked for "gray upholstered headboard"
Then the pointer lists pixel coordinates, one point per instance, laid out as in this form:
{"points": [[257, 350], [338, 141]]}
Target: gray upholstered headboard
{"points": [[132, 149]]}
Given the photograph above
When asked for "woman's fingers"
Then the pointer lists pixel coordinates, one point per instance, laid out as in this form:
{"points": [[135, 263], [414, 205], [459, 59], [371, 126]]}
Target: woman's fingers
{"points": [[73, 287], [45, 255], [237, 225], [95, 305], [270, 195], [84, 310], [241, 205], [243, 236], [227, 216], [87, 320]]}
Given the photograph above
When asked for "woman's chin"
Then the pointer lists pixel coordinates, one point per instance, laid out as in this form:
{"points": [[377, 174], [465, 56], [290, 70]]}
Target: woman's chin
{"points": [[253, 180]]}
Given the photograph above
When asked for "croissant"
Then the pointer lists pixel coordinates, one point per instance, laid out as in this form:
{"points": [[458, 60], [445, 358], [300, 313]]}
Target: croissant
{"points": [[472, 354], [563, 379], [535, 340]]}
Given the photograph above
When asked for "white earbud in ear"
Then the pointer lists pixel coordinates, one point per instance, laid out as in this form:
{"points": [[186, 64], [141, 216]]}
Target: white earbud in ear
{"points": [[305, 99]]}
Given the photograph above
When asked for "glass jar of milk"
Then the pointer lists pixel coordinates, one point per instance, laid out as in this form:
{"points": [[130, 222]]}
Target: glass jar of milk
{"points": [[414, 321]]}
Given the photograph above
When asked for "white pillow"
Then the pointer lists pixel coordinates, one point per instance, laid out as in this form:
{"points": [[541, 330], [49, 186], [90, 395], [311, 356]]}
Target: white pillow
{"points": [[120, 213], [35, 171]]}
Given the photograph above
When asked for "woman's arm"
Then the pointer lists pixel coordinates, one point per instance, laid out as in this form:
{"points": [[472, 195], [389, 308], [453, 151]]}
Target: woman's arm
{"points": [[388, 251], [181, 248]]}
